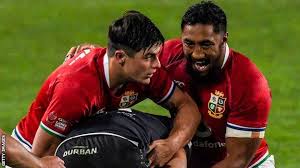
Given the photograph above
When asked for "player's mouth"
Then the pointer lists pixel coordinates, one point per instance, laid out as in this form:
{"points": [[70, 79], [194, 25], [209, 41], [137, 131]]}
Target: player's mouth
{"points": [[201, 65], [149, 75], [152, 72]]}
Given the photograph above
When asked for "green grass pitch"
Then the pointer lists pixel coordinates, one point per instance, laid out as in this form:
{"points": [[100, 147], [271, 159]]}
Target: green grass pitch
{"points": [[35, 35]]}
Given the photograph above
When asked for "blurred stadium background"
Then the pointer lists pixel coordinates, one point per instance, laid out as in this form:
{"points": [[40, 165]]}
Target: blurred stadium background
{"points": [[35, 35]]}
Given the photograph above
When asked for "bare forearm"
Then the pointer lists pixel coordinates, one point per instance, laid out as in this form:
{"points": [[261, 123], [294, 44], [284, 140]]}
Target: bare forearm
{"points": [[44, 144], [16, 155], [240, 152], [185, 124], [45, 150]]}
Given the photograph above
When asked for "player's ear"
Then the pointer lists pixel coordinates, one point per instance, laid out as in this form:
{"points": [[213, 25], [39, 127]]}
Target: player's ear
{"points": [[225, 37], [120, 56]]}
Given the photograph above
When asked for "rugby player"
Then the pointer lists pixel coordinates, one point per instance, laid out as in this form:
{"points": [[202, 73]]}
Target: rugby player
{"points": [[116, 139], [233, 96], [121, 75], [15, 155]]}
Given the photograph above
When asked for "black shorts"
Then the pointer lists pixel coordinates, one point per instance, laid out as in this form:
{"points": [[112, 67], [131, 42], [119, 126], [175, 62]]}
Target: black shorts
{"points": [[101, 150]]}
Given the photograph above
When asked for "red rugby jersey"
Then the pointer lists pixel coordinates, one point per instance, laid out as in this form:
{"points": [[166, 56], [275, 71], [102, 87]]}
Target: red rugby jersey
{"points": [[79, 88]]}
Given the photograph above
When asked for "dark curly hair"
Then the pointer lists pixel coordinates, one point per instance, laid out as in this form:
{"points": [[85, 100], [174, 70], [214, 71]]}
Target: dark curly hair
{"points": [[132, 33], [205, 12]]}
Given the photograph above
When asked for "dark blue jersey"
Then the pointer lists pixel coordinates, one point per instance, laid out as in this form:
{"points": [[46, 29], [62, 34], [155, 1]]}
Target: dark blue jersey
{"points": [[113, 139]]}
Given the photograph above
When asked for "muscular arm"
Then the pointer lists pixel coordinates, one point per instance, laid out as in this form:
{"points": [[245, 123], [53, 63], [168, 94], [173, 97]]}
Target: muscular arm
{"points": [[44, 144], [240, 152], [17, 156], [187, 118], [184, 126]]}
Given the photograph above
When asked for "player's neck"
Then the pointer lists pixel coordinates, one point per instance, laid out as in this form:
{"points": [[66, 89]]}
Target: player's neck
{"points": [[116, 76], [222, 55]]}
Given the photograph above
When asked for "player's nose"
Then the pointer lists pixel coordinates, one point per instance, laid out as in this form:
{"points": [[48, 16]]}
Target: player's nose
{"points": [[156, 63], [198, 53]]}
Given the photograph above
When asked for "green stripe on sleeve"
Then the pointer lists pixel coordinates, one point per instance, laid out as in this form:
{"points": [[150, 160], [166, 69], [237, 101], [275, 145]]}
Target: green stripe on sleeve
{"points": [[262, 161], [51, 132]]}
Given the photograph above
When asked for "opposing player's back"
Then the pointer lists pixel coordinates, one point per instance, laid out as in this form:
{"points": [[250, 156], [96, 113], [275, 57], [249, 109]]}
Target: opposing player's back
{"points": [[132, 124], [113, 139]]}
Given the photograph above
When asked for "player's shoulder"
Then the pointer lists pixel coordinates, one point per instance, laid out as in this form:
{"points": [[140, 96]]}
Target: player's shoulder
{"points": [[84, 57], [173, 43], [81, 72], [98, 51], [246, 76], [172, 52], [83, 62], [244, 67]]}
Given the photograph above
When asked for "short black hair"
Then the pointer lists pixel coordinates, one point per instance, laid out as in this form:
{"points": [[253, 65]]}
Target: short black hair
{"points": [[132, 33], [205, 12]]}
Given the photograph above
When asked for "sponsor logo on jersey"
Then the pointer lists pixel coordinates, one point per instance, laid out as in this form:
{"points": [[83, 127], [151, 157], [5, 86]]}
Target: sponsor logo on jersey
{"points": [[128, 99], [207, 144], [216, 104], [81, 150], [61, 124], [52, 117]]}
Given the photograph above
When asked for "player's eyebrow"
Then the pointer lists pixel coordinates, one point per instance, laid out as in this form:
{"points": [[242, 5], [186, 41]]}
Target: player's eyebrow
{"points": [[149, 55], [189, 41], [206, 42]]}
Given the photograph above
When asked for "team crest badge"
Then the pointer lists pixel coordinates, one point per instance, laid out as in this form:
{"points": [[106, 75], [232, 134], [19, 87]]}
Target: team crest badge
{"points": [[128, 99], [216, 104], [52, 117]]}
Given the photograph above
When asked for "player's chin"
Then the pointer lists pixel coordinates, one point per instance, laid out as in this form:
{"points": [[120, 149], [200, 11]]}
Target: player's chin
{"points": [[144, 80], [203, 71]]}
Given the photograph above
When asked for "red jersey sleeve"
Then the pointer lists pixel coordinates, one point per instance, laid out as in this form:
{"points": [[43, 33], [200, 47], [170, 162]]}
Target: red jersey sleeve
{"points": [[161, 87], [251, 103], [67, 106]]}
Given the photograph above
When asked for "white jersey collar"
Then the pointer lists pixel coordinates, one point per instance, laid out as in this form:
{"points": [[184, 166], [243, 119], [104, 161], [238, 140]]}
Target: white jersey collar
{"points": [[226, 55], [106, 68]]}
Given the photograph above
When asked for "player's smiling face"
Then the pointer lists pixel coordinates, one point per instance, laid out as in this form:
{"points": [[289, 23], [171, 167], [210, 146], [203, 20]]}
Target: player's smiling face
{"points": [[203, 48], [141, 67]]}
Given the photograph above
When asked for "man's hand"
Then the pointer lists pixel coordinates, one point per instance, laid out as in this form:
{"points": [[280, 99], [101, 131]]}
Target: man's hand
{"points": [[51, 162], [185, 125], [161, 151], [179, 160], [74, 50]]}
